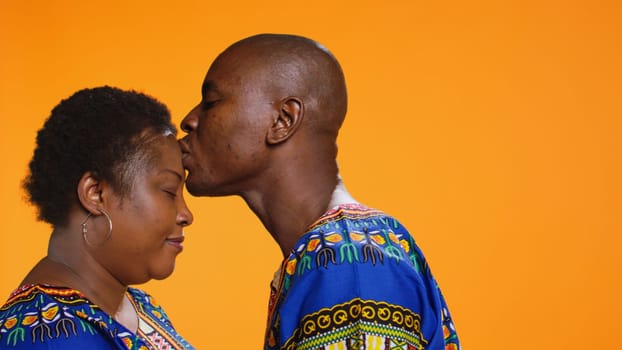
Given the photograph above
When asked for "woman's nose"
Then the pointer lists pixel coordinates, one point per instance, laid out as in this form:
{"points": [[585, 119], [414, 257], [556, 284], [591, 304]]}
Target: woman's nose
{"points": [[184, 217]]}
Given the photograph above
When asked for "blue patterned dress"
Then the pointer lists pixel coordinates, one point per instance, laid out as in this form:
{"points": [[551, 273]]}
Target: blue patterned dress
{"points": [[357, 280], [47, 317]]}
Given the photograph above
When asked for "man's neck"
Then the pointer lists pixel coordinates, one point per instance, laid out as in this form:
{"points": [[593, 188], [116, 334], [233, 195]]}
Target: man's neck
{"points": [[287, 210], [340, 195]]}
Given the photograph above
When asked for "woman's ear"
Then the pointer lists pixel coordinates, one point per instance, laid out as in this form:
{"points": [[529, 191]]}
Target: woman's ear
{"points": [[289, 118], [90, 189]]}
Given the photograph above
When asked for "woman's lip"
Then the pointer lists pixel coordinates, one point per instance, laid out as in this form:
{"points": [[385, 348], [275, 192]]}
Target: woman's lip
{"points": [[176, 241]]}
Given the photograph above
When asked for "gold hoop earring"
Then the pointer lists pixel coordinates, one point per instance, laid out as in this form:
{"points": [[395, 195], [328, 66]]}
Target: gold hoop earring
{"points": [[85, 230]]}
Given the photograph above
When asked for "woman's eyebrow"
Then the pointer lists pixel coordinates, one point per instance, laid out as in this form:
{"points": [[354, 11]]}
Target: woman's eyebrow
{"points": [[167, 170]]}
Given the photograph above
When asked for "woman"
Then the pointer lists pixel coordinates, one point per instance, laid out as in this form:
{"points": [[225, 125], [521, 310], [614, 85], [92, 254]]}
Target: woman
{"points": [[107, 175]]}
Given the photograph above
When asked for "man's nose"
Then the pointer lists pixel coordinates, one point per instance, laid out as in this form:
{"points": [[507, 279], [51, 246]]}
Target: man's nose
{"points": [[190, 121]]}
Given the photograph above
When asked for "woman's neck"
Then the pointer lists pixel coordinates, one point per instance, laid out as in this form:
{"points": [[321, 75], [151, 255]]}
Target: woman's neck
{"points": [[68, 264]]}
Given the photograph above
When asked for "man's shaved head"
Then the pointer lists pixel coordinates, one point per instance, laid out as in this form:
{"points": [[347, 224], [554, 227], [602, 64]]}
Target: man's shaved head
{"points": [[290, 65], [270, 111]]}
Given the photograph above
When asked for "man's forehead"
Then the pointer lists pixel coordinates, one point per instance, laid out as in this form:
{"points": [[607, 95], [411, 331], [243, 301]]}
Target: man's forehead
{"points": [[241, 61], [227, 75]]}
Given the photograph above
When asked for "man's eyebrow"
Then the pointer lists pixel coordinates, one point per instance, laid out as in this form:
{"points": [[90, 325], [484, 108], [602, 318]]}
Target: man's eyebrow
{"points": [[207, 86]]}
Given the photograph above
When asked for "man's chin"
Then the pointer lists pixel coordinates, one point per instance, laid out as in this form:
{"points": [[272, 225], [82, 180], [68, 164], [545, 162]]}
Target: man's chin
{"points": [[202, 189], [195, 189]]}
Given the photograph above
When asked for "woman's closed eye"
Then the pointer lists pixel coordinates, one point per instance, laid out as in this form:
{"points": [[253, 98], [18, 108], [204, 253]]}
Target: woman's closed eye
{"points": [[170, 192]]}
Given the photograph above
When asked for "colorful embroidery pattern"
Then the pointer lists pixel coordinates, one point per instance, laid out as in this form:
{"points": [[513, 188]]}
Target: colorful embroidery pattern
{"points": [[37, 315], [368, 236], [353, 320], [154, 326], [355, 279]]}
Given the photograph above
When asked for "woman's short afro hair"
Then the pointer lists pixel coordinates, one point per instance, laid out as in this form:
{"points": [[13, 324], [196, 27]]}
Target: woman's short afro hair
{"points": [[103, 130]]}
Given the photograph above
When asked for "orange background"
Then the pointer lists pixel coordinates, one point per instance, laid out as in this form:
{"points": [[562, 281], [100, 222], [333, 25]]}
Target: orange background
{"points": [[490, 129]]}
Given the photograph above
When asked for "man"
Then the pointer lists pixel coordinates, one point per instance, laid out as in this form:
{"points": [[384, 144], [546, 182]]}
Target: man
{"points": [[266, 130]]}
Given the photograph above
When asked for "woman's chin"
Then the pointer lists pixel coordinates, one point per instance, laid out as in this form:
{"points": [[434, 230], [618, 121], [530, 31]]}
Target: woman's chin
{"points": [[160, 275]]}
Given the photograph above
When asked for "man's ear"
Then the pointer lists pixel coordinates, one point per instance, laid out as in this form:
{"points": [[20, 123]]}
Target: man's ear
{"points": [[90, 189], [291, 112]]}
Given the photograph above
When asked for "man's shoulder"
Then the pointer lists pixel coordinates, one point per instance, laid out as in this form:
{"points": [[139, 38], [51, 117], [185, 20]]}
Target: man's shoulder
{"points": [[353, 234], [355, 217], [351, 212]]}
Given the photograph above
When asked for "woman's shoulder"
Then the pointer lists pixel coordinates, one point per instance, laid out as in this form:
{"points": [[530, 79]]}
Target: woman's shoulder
{"points": [[36, 316], [40, 295]]}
